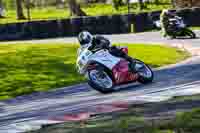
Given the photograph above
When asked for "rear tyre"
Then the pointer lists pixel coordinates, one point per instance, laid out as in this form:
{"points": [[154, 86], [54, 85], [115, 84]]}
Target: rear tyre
{"points": [[145, 72], [100, 79]]}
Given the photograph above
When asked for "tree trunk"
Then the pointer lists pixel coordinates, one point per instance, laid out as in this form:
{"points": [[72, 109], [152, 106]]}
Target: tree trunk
{"points": [[117, 3], [1, 9], [28, 9], [141, 4], [20, 14], [75, 8], [173, 3], [190, 3]]}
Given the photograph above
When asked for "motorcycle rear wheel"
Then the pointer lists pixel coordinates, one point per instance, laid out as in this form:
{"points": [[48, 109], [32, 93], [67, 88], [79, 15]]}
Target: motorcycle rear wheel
{"points": [[145, 72]]}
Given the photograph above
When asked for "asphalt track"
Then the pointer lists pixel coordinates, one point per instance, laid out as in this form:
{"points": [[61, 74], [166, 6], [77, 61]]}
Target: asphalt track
{"points": [[80, 102]]}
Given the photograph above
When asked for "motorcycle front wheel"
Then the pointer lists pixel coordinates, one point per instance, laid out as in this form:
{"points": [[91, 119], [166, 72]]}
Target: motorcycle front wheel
{"points": [[189, 33], [100, 80]]}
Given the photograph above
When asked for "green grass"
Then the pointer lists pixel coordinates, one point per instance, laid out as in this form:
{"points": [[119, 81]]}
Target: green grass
{"points": [[106, 9], [195, 28], [184, 122], [40, 67], [156, 56], [49, 13], [92, 10], [185, 98]]}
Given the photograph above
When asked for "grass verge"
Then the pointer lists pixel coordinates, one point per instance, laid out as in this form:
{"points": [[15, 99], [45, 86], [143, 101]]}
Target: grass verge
{"points": [[195, 28], [40, 67]]}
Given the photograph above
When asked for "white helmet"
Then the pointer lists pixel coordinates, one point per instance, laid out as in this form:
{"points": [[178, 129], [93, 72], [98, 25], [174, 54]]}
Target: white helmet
{"points": [[85, 39]]}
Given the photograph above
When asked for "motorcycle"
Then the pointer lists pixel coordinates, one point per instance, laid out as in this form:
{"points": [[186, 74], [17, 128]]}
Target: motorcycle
{"points": [[179, 28], [106, 72]]}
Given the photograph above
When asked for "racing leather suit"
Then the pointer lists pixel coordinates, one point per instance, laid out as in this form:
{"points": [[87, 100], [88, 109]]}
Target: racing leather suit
{"points": [[100, 42]]}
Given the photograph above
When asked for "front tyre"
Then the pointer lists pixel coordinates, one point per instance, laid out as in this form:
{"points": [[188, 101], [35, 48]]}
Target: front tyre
{"points": [[190, 33], [145, 72], [100, 80]]}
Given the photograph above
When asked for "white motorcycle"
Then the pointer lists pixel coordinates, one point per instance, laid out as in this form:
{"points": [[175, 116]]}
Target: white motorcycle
{"points": [[105, 72]]}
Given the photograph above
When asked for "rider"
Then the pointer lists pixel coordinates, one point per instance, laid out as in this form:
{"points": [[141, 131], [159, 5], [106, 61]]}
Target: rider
{"points": [[165, 23], [95, 43]]}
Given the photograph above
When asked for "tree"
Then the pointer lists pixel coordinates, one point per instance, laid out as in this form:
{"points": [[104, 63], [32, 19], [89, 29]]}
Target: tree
{"points": [[141, 4], [157, 2], [20, 14], [75, 8], [117, 4], [186, 3]]}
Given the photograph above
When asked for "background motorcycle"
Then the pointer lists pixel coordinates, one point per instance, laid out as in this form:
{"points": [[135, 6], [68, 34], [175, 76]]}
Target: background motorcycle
{"points": [[179, 29], [105, 72]]}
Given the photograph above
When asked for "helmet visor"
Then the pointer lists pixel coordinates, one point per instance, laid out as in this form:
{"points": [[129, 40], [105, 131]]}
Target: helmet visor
{"points": [[85, 41]]}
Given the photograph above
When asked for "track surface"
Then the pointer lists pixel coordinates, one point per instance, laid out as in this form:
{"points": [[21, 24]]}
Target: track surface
{"points": [[30, 112]]}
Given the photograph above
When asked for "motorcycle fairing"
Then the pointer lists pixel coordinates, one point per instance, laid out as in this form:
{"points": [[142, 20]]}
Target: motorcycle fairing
{"points": [[102, 57], [121, 73], [105, 58], [118, 66]]}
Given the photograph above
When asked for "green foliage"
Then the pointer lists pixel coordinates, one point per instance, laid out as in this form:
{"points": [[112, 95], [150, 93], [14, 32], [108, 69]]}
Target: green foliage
{"points": [[40, 67], [37, 14], [117, 3], [9, 4], [123, 125], [188, 121], [195, 28]]}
